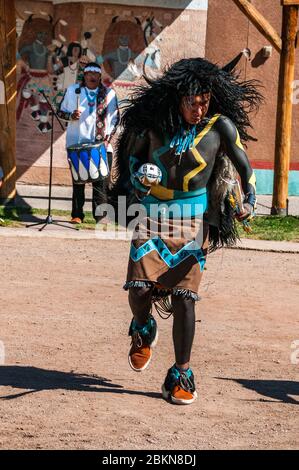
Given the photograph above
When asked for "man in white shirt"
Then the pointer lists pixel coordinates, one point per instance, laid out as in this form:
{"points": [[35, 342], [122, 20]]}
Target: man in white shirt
{"points": [[91, 111]]}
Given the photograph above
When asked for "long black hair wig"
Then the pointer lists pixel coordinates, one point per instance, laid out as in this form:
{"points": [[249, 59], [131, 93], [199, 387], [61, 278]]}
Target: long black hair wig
{"points": [[156, 106]]}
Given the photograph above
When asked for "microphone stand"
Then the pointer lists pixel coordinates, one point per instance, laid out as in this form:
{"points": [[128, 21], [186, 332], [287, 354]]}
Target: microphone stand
{"points": [[49, 219]]}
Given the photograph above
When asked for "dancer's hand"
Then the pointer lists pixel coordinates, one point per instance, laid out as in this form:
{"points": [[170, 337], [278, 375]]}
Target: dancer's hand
{"points": [[76, 115], [141, 194], [247, 212]]}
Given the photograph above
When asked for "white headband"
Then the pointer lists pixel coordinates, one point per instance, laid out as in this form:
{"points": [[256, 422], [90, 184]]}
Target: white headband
{"points": [[92, 68]]}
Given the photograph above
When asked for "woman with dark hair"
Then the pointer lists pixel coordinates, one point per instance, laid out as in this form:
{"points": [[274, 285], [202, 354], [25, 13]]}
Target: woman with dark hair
{"points": [[71, 52], [68, 67], [183, 123]]}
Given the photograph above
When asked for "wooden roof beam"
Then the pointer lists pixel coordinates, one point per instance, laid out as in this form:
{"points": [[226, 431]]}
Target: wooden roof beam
{"points": [[260, 22]]}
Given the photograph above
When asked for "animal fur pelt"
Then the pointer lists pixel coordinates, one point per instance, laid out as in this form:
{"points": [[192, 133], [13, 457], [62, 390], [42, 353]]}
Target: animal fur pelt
{"points": [[220, 215]]}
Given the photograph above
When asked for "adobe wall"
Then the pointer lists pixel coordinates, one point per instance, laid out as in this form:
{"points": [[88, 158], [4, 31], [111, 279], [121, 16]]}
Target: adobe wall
{"points": [[229, 32]]}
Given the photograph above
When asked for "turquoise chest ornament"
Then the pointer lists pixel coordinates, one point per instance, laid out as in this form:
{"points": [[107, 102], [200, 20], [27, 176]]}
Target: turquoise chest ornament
{"points": [[183, 140], [91, 99]]}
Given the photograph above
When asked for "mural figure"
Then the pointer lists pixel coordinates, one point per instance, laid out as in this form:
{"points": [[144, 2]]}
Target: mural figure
{"points": [[123, 42], [120, 59], [35, 56], [67, 67], [129, 48]]}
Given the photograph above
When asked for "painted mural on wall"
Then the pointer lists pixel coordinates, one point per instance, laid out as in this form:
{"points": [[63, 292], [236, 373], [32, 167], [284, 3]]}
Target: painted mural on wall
{"points": [[130, 49], [35, 69], [48, 63]]}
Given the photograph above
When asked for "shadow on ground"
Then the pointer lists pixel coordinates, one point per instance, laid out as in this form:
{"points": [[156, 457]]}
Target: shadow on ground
{"points": [[33, 379], [281, 390], [22, 212]]}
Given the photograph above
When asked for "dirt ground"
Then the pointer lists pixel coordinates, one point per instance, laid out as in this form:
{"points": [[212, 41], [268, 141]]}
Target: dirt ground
{"points": [[66, 383]]}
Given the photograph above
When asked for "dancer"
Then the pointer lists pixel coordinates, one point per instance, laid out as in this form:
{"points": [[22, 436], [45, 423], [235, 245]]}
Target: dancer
{"points": [[183, 123]]}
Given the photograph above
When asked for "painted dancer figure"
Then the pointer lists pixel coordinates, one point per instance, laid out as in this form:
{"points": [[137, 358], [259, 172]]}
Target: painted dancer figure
{"points": [[68, 67], [91, 111], [37, 60], [183, 123]]}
